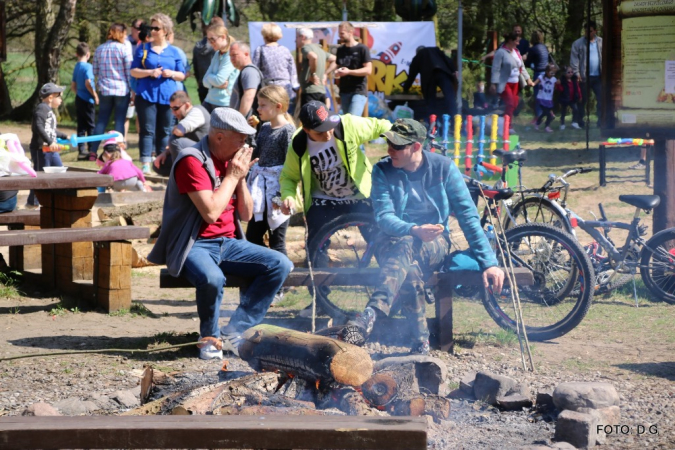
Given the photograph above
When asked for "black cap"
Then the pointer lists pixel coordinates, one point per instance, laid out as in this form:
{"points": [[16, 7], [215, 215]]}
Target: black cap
{"points": [[315, 117], [405, 132], [50, 88]]}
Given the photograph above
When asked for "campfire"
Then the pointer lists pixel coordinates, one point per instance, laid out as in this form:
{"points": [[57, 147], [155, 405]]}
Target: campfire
{"points": [[303, 374]]}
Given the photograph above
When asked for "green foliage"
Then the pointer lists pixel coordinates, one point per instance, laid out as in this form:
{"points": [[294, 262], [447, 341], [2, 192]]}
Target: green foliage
{"points": [[8, 283]]}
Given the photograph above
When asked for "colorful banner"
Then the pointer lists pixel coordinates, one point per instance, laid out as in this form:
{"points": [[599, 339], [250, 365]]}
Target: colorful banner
{"points": [[390, 51]]}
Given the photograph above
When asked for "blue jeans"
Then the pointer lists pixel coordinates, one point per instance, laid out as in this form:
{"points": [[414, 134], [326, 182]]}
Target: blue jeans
{"points": [[353, 103], [42, 159], [106, 105], [8, 205], [205, 268], [155, 121]]}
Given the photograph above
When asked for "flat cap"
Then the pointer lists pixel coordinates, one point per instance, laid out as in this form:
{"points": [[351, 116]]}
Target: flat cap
{"points": [[230, 119]]}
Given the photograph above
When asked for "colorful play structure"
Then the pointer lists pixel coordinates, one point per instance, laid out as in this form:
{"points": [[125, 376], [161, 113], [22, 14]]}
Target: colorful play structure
{"points": [[485, 166]]}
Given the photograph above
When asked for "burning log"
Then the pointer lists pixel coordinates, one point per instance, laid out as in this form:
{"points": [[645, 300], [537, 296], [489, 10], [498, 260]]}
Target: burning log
{"points": [[307, 356]]}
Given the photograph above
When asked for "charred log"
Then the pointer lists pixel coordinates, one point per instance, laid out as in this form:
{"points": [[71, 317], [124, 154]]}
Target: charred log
{"points": [[432, 405], [310, 357]]}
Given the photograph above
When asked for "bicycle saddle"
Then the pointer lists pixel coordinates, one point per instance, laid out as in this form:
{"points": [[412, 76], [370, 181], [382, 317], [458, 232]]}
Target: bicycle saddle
{"points": [[641, 201], [511, 157], [499, 194]]}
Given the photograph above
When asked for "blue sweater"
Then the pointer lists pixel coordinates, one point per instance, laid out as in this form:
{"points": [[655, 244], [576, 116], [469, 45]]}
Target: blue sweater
{"points": [[445, 189]]}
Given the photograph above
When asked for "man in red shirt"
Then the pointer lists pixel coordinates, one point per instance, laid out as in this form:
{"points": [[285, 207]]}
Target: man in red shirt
{"points": [[198, 240]]}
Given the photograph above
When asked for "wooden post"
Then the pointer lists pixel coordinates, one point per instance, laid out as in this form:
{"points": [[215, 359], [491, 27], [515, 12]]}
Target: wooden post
{"points": [[25, 257], [112, 275], [664, 184]]}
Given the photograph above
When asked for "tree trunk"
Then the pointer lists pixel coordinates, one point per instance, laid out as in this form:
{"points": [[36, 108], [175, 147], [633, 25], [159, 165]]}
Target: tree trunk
{"points": [[576, 17], [82, 22], [50, 37], [5, 98]]}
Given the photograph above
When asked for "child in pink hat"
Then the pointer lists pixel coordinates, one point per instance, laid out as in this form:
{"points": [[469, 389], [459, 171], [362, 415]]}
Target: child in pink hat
{"points": [[127, 177]]}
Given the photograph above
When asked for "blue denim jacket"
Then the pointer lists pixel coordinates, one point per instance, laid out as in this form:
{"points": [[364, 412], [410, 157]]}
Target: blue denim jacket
{"points": [[445, 189]]}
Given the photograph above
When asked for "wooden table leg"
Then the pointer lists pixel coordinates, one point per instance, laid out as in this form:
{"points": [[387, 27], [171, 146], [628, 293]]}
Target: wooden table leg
{"points": [[67, 208], [603, 162], [444, 318]]}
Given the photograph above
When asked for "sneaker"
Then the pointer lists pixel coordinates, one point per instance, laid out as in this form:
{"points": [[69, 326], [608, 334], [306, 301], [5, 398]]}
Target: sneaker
{"points": [[279, 296], [534, 121], [637, 166], [92, 157], [536, 127], [231, 342], [357, 330], [83, 157], [420, 348], [210, 351], [576, 126], [562, 127], [27, 206], [146, 169], [548, 130]]}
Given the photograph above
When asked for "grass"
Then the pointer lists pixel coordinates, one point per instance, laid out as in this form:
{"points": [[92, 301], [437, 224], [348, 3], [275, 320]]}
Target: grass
{"points": [[8, 283], [137, 310]]}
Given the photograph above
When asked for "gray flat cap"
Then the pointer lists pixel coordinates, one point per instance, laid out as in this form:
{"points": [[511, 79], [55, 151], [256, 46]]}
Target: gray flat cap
{"points": [[50, 88], [230, 119]]}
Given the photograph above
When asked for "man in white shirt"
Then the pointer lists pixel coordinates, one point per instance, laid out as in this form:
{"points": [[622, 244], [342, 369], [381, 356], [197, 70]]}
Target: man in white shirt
{"points": [[590, 77]]}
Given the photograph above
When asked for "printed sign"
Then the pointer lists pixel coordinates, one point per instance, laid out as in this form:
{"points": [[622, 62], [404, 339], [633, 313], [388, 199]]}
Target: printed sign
{"points": [[391, 54]]}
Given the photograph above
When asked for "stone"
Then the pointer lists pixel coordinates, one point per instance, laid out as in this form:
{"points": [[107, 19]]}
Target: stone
{"points": [[514, 402], [40, 409], [126, 398], [575, 395], [488, 386], [430, 372], [562, 446], [606, 416], [576, 428], [601, 437], [544, 400], [466, 382], [73, 406], [535, 447]]}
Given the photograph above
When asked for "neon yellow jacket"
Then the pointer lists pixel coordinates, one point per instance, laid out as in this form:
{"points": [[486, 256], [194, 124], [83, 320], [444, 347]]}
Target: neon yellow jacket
{"points": [[349, 135]]}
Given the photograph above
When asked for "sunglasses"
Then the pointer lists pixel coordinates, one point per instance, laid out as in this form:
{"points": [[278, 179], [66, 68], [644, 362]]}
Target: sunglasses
{"points": [[155, 28], [397, 147], [176, 108]]}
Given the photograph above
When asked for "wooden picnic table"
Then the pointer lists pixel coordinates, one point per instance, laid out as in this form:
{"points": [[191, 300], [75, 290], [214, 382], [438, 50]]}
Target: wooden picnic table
{"points": [[66, 201]]}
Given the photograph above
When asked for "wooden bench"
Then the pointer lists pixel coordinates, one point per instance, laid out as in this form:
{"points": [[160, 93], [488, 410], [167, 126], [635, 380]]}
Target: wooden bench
{"points": [[28, 257], [111, 288], [443, 284], [191, 432]]}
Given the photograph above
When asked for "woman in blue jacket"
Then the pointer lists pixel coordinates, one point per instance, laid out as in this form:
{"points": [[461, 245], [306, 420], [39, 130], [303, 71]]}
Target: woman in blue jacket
{"points": [[158, 66]]}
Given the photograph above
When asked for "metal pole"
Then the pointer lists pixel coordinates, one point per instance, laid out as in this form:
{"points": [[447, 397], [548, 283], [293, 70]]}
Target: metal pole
{"points": [[460, 39], [588, 71], [344, 10]]}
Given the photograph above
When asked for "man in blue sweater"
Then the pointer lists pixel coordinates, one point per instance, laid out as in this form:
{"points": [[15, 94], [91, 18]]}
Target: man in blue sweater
{"points": [[413, 194]]}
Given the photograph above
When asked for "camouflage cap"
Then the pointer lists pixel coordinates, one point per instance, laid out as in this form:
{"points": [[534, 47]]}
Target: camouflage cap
{"points": [[405, 132]]}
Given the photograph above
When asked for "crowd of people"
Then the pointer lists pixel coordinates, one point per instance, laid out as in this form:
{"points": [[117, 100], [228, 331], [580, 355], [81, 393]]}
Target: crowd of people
{"points": [[238, 156], [564, 87]]}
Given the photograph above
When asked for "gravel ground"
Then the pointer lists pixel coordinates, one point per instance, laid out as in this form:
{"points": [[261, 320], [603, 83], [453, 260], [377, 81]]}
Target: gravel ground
{"points": [[92, 384]]}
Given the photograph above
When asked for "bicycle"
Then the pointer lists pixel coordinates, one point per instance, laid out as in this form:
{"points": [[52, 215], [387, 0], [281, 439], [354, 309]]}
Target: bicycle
{"points": [[614, 267], [655, 257], [562, 291]]}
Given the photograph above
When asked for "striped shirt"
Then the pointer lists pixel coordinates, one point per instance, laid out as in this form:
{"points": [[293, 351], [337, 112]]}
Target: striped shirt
{"points": [[112, 65]]}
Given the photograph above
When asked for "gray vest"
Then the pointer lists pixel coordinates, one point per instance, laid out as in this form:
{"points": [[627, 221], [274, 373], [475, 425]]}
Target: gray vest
{"points": [[180, 218]]}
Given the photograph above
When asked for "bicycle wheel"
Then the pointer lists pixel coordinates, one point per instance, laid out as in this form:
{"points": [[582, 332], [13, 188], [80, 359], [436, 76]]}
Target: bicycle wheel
{"points": [[657, 265], [537, 210], [341, 244], [563, 282]]}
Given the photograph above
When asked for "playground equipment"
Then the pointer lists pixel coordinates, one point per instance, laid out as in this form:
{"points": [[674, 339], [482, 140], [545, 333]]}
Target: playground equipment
{"points": [[482, 169], [647, 148]]}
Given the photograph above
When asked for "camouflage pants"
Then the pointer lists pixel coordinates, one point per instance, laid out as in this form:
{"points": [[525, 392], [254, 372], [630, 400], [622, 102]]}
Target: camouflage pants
{"points": [[405, 262]]}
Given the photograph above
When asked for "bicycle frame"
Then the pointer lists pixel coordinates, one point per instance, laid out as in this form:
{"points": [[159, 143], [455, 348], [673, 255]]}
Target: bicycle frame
{"points": [[592, 228]]}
